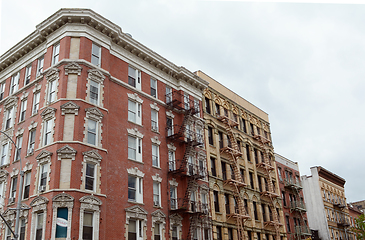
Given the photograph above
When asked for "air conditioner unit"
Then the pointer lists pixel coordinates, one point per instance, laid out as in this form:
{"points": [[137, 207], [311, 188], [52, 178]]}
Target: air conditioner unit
{"points": [[156, 203], [42, 188], [11, 200]]}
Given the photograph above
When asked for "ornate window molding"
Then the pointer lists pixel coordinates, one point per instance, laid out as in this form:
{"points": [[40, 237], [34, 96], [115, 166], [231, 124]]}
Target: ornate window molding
{"points": [[95, 116], [52, 78], [136, 213], [176, 221], [47, 126], [155, 140], [70, 108], [43, 160], [134, 132], [62, 200], [66, 152], [97, 78], [10, 108], [154, 107], [173, 182], [94, 158], [39, 205], [170, 114], [73, 68], [3, 184], [135, 97], [135, 172], [90, 204], [157, 178], [159, 217]]}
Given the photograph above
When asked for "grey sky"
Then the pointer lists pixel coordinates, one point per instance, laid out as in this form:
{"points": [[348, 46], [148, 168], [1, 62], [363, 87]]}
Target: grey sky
{"points": [[301, 63]]}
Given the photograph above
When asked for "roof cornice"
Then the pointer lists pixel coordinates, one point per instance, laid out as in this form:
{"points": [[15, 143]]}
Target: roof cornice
{"points": [[114, 32]]}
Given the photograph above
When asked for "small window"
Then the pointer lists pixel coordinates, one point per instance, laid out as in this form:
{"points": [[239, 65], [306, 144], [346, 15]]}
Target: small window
{"points": [[2, 90], [168, 94], [210, 136], [31, 141], [26, 187], [94, 92], [56, 53], [135, 148], [4, 154], [197, 107], [207, 105], [156, 194], [52, 91], [186, 101], [92, 132], [19, 141], [169, 126], [39, 227], [173, 197], [155, 156], [213, 167], [135, 192], [22, 229], [35, 107], [28, 72], [48, 132], [90, 176], [14, 182], [255, 211], [174, 233], [172, 164], [95, 55], [43, 177], [87, 228], [135, 229], [23, 109], [40, 65], [14, 83], [157, 231], [216, 201], [134, 112], [154, 120], [134, 78], [9, 118], [153, 87]]}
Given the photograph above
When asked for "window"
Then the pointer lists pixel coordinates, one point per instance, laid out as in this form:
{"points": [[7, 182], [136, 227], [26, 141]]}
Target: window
{"points": [[287, 223], [186, 101], [14, 182], [174, 233], [39, 226], [263, 212], [90, 176], [154, 120], [14, 83], [94, 92], [28, 72], [87, 228], [62, 216], [31, 142], [52, 91], [248, 154], [134, 112], [23, 109], [228, 207], [157, 231], [26, 186], [217, 110], [230, 234], [56, 53], [95, 54], [156, 194], [22, 229], [279, 173], [168, 94], [216, 201], [219, 233], [197, 107], [169, 126], [40, 65], [2, 90], [43, 175], [207, 105], [251, 180], [134, 78], [4, 154], [212, 167], [92, 132], [224, 170], [172, 164], [155, 156], [48, 132], [173, 197], [255, 211], [210, 136], [19, 141], [135, 191], [9, 118], [220, 139], [135, 148], [153, 87], [35, 107], [135, 229], [284, 199], [243, 125]]}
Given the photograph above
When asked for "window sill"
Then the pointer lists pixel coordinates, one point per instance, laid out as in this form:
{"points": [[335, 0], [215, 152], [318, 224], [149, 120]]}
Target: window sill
{"points": [[155, 131], [21, 122], [158, 207], [135, 123], [135, 161], [131, 201], [5, 165], [156, 167]]}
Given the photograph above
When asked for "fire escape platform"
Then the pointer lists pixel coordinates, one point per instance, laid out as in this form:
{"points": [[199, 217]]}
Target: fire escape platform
{"points": [[265, 166], [269, 194], [230, 150], [228, 121], [235, 183]]}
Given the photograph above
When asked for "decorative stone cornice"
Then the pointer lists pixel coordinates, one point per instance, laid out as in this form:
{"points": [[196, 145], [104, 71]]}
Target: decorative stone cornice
{"points": [[173, 182], [3, 175], [171, 147], [136, 212], [32, 125], [24, 95], [39, 203], [156, 178], [92, 156], [62, 197], [19, 132], [170, 114], [73, 68], [158, 217], [14, 172], [135, 132], [44, 156], [154, 106], [52, 74], [155, 140], [10, 102], [28, 166], [91, 200], [135, 172], [66, 152], [70, 108], [95, 75], [94, 113], [135, 97], [37, 87], [176, 219], [48, 113]]}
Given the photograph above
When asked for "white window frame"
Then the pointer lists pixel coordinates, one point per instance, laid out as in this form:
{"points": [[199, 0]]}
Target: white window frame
{"points": [[28, 72], [9, 118], [95, 79], [23, 110], [90, 204], [155, 155], [2, 90], [13, 189], [134, 74], [96, 54], [19, 143], [47, 133], [31, 144], [94, 86], [139, 228], [52, 91], [173, 198], [40, 65], [14, 83], [138, 188], [168, 94], [5, 154], [93, 177], [135, 145], [95, 115], [93, 158], [27, 180], [43, 170], [55, 53], [35, 105], [154, 120], [197, 107], [48, 123], [156, 194], [186, 101], [153, 87], [92, 132], [134, 112]]}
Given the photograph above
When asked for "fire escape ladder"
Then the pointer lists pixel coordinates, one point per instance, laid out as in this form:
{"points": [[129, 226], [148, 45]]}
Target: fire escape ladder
{"points": [[271, 191], [234, 152]]}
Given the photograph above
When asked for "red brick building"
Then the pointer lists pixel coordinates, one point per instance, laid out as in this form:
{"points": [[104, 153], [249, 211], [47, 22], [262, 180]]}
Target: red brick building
{"points": [[110, 135], [294, 209]]}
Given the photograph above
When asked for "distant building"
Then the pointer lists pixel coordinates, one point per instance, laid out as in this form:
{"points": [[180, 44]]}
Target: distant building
{"points": [[354, 213], [360, 205], [292, 196], [325, 199], [243, 183]]}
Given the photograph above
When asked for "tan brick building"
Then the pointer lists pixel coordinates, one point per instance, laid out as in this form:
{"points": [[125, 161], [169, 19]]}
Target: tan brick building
{"points": [[243, 184]]}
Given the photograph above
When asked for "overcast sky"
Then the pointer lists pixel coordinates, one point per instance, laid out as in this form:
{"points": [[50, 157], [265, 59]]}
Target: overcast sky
{"points": [[302, 63]]}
